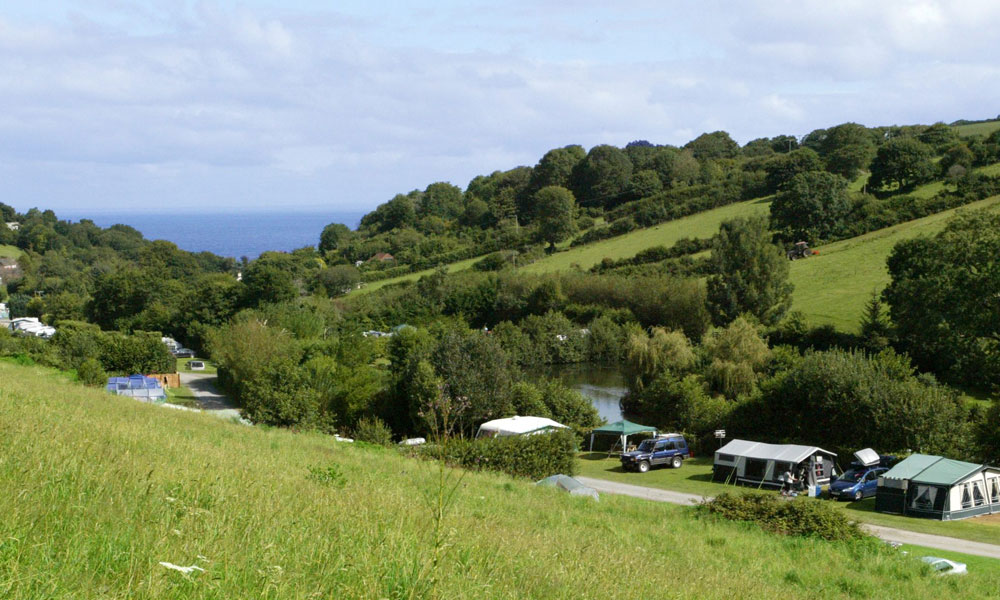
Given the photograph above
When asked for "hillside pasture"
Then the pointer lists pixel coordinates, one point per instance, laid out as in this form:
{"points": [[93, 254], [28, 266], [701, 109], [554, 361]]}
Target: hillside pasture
{"points": [[104, 497], [833, 287], [984, 128]]}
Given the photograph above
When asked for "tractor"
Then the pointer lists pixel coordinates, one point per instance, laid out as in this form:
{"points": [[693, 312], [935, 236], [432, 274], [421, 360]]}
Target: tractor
{"points": [[800, 250]]}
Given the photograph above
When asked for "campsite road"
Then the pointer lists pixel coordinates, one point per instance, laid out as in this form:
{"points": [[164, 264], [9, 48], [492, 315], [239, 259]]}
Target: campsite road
{"points": [[886, 533], [202, 385]]}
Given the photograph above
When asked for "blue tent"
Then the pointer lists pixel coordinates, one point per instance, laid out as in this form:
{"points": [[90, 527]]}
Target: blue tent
{"points": [[140, 387]]}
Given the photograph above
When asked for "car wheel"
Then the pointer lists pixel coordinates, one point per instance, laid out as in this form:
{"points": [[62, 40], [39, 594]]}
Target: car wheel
{"points": [[858, 495], [676, 462], [643, 466]]}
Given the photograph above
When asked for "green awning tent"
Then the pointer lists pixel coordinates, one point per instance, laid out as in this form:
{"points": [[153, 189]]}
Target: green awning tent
{"points": [[935, 487], [621, 429]]}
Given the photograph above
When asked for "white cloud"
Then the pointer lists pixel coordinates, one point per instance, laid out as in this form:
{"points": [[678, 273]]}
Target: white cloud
{"points": [[358, 105]]}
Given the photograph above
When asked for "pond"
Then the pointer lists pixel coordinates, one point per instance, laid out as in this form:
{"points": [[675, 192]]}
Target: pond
{"points": [[602, 384]]}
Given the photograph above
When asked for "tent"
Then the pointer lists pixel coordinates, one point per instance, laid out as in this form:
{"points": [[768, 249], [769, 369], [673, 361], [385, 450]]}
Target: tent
{"points": [[934, 487], [517, 426], [760, 464], [147, 389], [621, 429], [568, 484]]}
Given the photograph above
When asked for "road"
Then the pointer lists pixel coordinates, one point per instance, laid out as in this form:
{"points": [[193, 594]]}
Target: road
{"points": [[202, 385], [886, 533]]}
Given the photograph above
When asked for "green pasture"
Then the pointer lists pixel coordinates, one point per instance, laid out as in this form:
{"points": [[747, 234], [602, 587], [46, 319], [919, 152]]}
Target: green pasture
{"points": [[699, 225], [695, 477], [985, 128], [8, 251], [104, 495]]}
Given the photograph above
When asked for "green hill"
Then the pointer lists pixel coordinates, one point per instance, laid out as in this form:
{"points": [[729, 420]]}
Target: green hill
{"points": [[983, 128], [98, 491], [832, 288]]}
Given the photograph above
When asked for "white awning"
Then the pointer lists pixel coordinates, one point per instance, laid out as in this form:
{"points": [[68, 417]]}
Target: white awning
{"points": [[517, 426]]}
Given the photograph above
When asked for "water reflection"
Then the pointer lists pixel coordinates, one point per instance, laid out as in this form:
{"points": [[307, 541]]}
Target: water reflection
{"points": [[602, 384]]}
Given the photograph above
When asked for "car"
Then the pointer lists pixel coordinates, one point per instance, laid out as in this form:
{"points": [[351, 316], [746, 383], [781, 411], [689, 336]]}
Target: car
{"points": [[943, 566], [196, 365], [856, 483], [183, 353], [665, 449]]}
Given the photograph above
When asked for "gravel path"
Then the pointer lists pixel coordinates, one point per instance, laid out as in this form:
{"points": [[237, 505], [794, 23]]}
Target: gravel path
{"points": [[886, 533], [202, 385]]}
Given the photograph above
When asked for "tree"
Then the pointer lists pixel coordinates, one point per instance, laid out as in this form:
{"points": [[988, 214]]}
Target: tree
{"points": [[874, 325], [903, 162], [738, 355], [441, 200], [944, 297], [717, 144], [333, 236], [811, 206], [338, 279], [602, 178], [644, 184], [782, 168], [851, 400], [556, 167], [555, 212], [477, 373], [848, 161], [938, 136], [750, 273], [269, 281]]}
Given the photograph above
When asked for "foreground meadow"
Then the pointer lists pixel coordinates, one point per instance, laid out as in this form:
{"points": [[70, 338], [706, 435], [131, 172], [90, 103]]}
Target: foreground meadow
{"points": [[97, 491]]}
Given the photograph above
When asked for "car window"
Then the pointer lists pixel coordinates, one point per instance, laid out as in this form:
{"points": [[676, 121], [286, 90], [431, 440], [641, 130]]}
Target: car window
{"points": [[871, 476]]}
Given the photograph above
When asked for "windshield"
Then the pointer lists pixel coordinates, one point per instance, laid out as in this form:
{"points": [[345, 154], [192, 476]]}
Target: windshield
{"points": [[647, 445], [852, 475]]}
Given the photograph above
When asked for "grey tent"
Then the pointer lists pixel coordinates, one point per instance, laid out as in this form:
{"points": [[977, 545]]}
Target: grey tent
{"points": [[621, 429], [759, 464], [935, 487]]}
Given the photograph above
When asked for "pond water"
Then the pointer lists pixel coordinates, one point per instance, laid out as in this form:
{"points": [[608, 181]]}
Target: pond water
{"points": [[603, 385]]}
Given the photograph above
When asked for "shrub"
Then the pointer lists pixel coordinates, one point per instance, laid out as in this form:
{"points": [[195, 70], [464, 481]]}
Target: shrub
{"points": [[374, 431], [90, 372], [803, 516], [532, 456]]}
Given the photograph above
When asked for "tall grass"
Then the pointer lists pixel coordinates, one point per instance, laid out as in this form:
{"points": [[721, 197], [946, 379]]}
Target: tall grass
{"points": [[97, 490]]}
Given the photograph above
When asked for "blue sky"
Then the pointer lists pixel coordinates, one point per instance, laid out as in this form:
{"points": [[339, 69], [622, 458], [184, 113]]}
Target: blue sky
{"points": [[111, 105]]}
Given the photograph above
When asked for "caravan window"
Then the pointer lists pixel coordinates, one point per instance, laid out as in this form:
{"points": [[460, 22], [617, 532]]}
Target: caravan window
{"points": [[729, 458], [977, 493], [995, 491], [755, 468], [966, 497]]}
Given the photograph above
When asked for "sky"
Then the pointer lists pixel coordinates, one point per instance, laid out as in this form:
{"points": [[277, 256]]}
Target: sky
{"points": [[310, 105]]}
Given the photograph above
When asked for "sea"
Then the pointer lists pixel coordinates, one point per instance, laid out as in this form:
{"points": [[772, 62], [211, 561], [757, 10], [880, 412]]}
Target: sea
{"points": [[229, 234]]}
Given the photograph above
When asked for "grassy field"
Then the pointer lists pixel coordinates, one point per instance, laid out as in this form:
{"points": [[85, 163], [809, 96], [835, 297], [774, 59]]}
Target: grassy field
{"points": [[98, 491], [978, 128], [832, 288], [8, 251], [700, 225], [695, 477]]}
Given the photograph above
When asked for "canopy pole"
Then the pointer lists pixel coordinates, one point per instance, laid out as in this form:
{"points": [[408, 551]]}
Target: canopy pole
{"points": [[624, 439], [591, 441]]}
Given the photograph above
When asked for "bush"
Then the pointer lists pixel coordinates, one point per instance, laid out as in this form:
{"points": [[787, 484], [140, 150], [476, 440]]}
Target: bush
{"points": [[803, 516], [374, 431], [532, 456], [90, 372]]}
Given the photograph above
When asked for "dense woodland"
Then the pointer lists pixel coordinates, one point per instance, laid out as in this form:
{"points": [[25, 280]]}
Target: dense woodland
{"points": [[701, 330]]}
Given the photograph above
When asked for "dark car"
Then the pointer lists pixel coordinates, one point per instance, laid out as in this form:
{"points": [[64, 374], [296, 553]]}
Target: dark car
{"points": [[670, 449], [183, 353]]}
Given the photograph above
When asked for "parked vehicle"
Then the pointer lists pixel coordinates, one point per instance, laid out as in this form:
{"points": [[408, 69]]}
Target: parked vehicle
{"points": [[665, 449], [183, 353], [943, 566], [861, 480], [197, 365]]}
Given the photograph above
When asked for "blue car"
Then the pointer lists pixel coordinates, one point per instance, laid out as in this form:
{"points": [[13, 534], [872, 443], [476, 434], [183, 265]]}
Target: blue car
{"points": [[857, 483]]}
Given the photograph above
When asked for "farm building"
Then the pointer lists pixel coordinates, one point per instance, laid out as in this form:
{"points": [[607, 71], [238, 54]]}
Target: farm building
{"points": [[517, 426], [147, 389], [759, 464], [935, 487]]}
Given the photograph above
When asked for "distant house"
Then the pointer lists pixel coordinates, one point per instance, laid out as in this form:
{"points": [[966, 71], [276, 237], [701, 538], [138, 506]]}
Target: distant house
{"points": [[382, 257], [13, 225]]}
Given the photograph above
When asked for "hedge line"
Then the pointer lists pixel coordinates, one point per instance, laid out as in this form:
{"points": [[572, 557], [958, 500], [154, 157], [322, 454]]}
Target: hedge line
{"points": [[532, 456]]}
